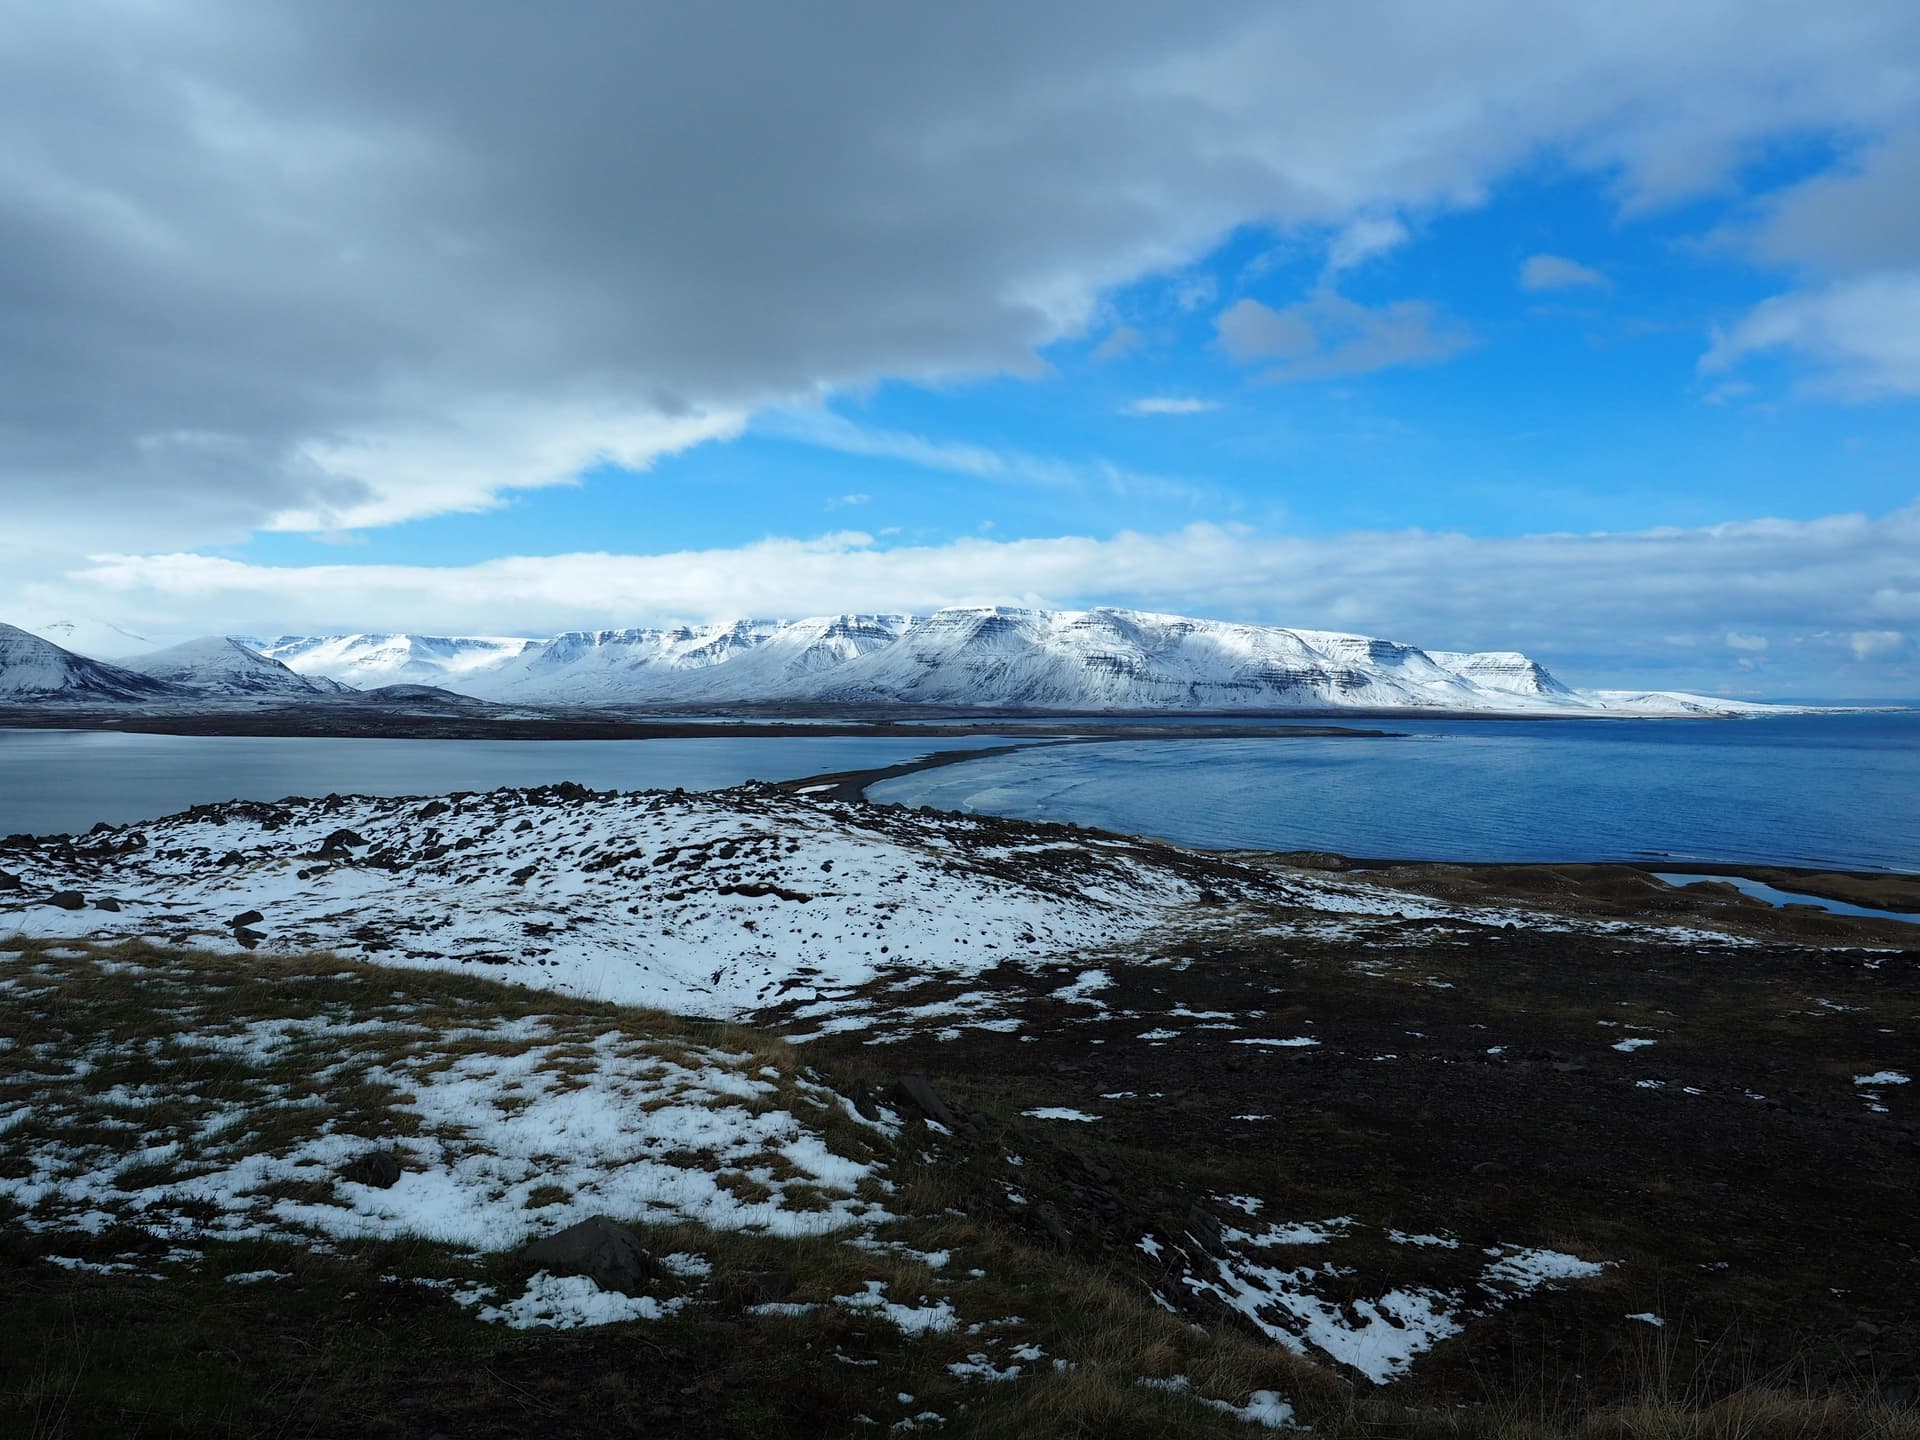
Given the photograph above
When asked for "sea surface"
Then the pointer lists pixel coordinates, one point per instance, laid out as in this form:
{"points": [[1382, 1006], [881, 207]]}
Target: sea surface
{"points": [[1837, 790], [58, 781]]}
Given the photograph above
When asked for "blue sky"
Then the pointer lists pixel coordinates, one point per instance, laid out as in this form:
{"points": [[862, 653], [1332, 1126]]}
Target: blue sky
{"points": [[1511, 326]]}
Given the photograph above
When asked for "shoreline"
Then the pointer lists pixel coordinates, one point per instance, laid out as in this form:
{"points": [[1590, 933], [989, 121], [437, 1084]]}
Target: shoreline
{"points": [[1893, 891]]}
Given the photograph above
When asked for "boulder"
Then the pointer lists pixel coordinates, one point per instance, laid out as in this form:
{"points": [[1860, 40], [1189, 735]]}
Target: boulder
{"points": [[108, 903], [9, 881], [604, 1251], [65, 900], [917, 1095], [340, 842], [246, 917], [379, 1168]]}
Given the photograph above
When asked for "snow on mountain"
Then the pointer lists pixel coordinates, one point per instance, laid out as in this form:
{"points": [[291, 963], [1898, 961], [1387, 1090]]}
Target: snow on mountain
{"points": [[372, 660], [744, 660], [1505, 670], [976, 657], [34, 670], [96, 639], [216, 665]]}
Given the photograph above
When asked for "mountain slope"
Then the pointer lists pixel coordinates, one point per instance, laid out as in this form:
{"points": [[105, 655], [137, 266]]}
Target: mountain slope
{"points": [[217, 666], [34, 670]]}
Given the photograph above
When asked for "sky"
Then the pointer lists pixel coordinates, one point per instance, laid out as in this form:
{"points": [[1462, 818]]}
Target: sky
{"points": [[1587, 330]]}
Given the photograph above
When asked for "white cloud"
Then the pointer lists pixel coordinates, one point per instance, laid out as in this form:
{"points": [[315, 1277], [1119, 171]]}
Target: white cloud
{"points": [[832, 431], [1169, 405], [1737, 641], [859, 497], [1614, 598], [1863, 336], [1556, 272], [1866, 644], [1364, 239], [470, 460], [1328, 335]]}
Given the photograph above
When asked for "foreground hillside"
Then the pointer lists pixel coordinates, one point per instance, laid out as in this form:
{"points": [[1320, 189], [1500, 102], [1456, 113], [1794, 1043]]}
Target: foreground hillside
{"points": [[1200, 1145]]}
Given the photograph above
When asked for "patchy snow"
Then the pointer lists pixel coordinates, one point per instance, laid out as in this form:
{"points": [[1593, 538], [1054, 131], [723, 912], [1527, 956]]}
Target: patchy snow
{"points": [[1059, 1112], [710, 903], [613, 1124], [932, 1319], [1632, 1043], [1647, 1317], [567, 1302], [1883, 1077], [1264, 1408], [1297, 1042]]}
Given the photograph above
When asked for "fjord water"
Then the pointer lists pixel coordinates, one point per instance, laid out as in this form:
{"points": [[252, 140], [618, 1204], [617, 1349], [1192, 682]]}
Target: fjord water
{"points": [[57, 781], [1839, 790]]}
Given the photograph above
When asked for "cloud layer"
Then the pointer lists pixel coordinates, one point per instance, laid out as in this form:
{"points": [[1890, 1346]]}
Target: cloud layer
{"points": [[332, 263]]}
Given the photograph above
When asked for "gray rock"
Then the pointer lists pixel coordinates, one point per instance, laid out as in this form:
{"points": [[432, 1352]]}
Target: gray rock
{"points": [[917, 1095], [604, 1251], [9, 881], [65, 900], [246, 917], [107, 902], [379, 1168]]}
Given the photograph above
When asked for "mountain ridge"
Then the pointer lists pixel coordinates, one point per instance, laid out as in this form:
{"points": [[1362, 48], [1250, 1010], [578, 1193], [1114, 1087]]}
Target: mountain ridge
{"points": [[990, 657]]}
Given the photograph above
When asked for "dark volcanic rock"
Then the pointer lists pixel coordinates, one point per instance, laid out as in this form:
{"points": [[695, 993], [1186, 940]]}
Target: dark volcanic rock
{"points": [[917, 1095], [246, 917], [65, 900], [9, 881], [379, 1168], [107, 902], [604, 1251]]}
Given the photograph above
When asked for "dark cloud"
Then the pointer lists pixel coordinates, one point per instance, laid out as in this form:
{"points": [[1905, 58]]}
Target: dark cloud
{"points": [[344, 261]]}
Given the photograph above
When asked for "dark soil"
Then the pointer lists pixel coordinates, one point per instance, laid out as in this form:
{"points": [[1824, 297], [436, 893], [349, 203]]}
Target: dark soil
{"points": [[1466, 1082]]}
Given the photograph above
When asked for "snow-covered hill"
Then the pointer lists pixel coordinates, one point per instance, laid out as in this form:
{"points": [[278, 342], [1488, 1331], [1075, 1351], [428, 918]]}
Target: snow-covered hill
{"points": [[33, 671], [979, 657], [218, 666]]}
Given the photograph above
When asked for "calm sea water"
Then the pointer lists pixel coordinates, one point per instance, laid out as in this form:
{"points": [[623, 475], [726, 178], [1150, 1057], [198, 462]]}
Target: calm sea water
{"points": [[54, 781], [1841, 790]]}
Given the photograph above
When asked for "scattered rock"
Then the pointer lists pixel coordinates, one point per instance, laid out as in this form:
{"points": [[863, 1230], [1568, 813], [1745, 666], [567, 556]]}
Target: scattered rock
{"points": [[379, 1168], [431, 810], [65, 900], [246, 917], [107, 902], [9, 881], [604, 1251]]}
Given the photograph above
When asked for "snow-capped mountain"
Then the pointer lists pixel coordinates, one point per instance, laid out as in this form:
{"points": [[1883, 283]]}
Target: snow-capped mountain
{"points": [[744, 660], [218, 666], [977, 657], [95, 639], [33, 670], [371, 660]]}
